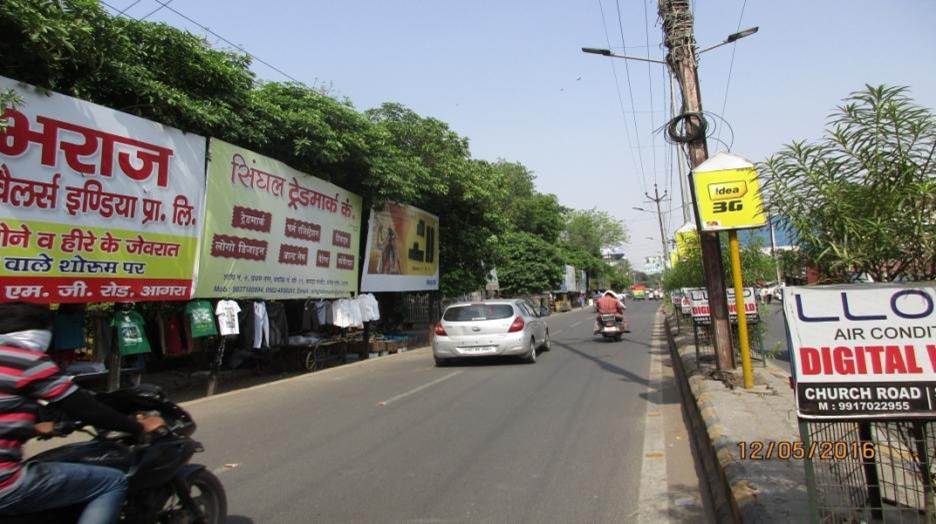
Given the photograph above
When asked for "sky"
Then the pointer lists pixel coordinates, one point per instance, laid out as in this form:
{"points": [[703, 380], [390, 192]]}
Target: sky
{"points": [[510, 76]]}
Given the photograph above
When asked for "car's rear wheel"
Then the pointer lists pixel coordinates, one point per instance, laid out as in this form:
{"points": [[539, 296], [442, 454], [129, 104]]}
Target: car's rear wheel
{"points": [[548, 344], [441, 362], [531, 358]]}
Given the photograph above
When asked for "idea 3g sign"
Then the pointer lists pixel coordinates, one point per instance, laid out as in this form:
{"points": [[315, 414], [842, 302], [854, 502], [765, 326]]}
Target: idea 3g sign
{"points": [[728, 193]]}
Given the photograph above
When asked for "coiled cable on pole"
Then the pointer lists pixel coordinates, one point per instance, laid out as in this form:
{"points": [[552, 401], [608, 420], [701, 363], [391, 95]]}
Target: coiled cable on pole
{"points": [[678, 128]]}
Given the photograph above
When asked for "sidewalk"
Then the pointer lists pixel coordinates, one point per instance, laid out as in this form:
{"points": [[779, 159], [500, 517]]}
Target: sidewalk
{"points": [[752, 490]]}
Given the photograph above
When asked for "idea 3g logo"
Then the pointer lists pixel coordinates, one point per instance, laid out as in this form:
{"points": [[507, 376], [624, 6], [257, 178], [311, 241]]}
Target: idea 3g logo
{"points": [[726, 196]]}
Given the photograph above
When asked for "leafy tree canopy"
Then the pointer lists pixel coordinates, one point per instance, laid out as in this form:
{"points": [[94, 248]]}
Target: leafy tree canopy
{"points": [[861, 201]]}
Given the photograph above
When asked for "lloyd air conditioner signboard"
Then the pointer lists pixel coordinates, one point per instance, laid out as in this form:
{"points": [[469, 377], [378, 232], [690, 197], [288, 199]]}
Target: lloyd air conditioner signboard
{"points": [[700, 306], [728, 193], [863, 351]]}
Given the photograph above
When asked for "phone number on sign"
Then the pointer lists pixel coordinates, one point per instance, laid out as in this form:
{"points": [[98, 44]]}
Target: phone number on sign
{"points": [[872, 406], [820, 450]]}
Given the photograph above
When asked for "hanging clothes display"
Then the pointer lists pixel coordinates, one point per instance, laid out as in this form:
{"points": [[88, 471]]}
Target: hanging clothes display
{"points": [[342, 313], [227, 311], [245, 317], [370, 309], [261, 335], [131, 334], [201, 321], [278, 324], [173, 344], [68, 328]]}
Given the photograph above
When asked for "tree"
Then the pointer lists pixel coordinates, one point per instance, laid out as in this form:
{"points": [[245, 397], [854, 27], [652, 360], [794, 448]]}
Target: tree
{"points": [[687, 272], [526, 264], [592, 231], [862, 201]]}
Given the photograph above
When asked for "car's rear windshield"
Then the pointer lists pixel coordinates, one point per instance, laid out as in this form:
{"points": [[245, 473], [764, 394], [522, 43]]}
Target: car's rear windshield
{"points": [[478, 312]]}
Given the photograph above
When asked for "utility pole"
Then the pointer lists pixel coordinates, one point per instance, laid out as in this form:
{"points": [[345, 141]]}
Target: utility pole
{"points": [[656, 199], [679, 165], [679, 38]]}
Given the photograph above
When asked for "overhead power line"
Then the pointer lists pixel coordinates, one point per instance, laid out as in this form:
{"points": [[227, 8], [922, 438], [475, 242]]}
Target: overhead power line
{"points": [[630, 91], [734, 47], [153, 12], [650, 82], [216, 35], [617, 87]]}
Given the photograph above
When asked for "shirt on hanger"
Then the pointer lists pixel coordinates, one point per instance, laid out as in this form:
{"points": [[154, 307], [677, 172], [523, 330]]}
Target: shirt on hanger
{"points": [[261, 338], [131, 338], [172, 335], [200, 318], [68, 331], [227, 311], [279, 325]]}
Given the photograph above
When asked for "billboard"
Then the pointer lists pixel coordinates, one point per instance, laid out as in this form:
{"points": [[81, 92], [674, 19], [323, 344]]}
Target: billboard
{"points": [[274, 232], [727, 193], [95, 205], [863, 351], [702, 314], [402, 251]]}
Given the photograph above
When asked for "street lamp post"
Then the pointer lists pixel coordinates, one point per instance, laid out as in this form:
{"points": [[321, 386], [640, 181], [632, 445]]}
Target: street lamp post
{"points": [[682, 62], [733, 37]]}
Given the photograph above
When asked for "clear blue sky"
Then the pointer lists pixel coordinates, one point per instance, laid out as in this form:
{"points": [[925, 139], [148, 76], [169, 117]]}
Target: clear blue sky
{"points": [[510, 76]]}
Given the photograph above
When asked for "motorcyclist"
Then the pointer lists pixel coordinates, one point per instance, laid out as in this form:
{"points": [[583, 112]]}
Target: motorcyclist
{"points": [[28, 375], [608, 304]]}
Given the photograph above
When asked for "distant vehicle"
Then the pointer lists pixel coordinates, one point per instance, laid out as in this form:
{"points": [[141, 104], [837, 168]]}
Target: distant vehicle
{"points": [[491, 328], [640, 294]]}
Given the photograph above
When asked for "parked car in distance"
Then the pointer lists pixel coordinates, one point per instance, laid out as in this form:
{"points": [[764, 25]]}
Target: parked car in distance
{"points": [[511, 327]]}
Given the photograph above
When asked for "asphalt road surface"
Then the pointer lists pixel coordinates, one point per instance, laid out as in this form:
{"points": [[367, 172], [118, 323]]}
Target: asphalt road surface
{"points": [[397, 439]]}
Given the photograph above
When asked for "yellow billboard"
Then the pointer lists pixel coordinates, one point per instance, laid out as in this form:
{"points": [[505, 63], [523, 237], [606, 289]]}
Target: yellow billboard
{"points": [[727, 193]]}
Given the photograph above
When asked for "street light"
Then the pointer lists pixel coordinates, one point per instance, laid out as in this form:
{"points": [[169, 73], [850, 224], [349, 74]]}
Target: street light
{"points": [[733, 37], [642, 209]]}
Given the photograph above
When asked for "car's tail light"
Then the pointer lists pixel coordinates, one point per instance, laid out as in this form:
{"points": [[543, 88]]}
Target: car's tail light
{"points": [[440, 331], [517, 325]]}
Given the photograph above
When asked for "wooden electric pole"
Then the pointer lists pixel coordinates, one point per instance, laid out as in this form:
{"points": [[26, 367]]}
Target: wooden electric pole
{"points": [[679, 38]]}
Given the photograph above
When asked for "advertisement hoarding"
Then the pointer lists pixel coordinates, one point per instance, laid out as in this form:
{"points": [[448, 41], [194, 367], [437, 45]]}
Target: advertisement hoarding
{"points": [[700, 305], [727, 193], [273, 232], [863, 351], [402, 250], [95, 205]]}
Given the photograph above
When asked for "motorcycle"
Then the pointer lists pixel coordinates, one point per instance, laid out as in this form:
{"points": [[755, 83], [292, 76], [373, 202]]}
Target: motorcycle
{"points": [[610, 326], [163, 486]]}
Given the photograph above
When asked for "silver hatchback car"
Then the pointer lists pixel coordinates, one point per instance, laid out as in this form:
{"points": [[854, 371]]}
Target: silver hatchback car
{"points": [[490, 328]]}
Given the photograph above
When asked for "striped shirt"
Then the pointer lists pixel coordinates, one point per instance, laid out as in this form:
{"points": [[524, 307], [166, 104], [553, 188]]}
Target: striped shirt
{"points": [[26, 376]]}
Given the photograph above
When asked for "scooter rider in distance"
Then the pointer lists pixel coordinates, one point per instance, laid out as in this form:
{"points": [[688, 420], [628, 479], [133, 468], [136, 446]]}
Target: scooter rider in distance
{"points": [[608, 304]]}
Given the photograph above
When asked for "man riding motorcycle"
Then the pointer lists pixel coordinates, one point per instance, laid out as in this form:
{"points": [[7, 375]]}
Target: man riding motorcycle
{"points": [[608, 304], [28, 375]]}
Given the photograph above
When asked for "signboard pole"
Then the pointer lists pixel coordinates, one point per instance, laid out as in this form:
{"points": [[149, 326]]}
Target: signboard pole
{"points": [[735, 251]]}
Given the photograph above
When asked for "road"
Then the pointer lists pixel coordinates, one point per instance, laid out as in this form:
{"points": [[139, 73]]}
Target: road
{"points": [[397, 439]]}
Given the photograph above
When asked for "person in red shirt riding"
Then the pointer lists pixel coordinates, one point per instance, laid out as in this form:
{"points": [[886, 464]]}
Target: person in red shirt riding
{"points": [[608, 304]]}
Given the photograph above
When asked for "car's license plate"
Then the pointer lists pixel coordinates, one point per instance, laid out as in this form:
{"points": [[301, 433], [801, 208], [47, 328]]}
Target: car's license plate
{"points": [[480, 349]]}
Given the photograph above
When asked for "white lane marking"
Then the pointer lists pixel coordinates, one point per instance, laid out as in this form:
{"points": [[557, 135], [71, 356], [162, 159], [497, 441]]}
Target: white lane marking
{"points": [[653, 501], [576, 323], [418, 389]]}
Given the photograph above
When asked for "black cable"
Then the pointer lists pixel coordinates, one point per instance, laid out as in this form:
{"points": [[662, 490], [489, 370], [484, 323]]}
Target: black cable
{"points": [[681, 135], [677, 129], [630, 91]]}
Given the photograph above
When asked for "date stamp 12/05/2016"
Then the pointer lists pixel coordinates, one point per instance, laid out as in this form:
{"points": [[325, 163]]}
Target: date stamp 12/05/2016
{"points": [[798, 450]]}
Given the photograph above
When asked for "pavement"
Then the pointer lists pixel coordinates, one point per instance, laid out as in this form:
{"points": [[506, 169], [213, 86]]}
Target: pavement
{"points": [[593, 432], [761, 489]]}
